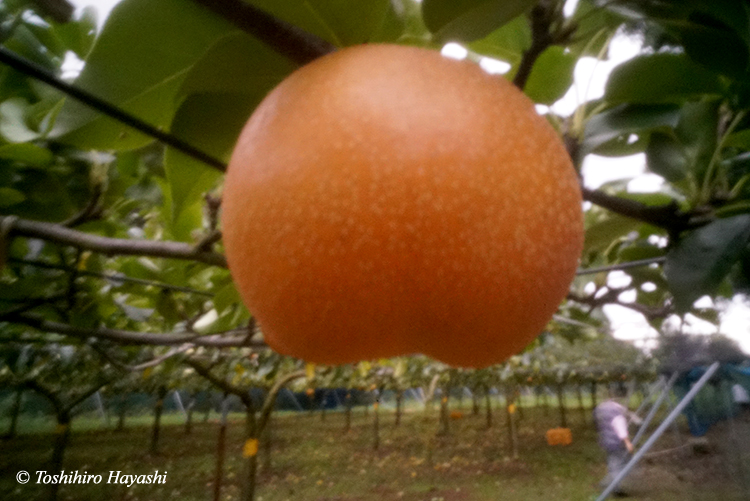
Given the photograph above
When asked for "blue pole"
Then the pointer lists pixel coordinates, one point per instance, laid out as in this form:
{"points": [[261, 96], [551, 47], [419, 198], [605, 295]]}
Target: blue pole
{"points": [[655, 408], [663, 426]]}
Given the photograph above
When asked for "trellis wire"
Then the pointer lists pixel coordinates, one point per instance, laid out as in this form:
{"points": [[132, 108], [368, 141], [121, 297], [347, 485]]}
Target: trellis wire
{"points": [[33, 70]]}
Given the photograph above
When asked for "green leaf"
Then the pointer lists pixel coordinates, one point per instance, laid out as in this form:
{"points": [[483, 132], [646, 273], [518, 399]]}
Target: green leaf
{"points": [[507, 43], [470, 20], [701, 260], [180, 226], [211, 122], [218, 95], [394, 25], [714, 34], [26, 153], [638, 252], [719, 49], [9, 196], [600, 236], [13, 126], [167, 307], [341, 22], [79, 35], [696, 130], [618, 123], [594, 25], [47, 198], [26, 44], [551, 76], [138, 63], [237, 63], [225, 297], [739, 139], [661, 78], [665, 157]]}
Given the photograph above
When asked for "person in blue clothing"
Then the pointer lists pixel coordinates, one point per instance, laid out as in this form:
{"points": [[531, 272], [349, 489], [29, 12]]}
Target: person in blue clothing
{"points": [[611, 417]]}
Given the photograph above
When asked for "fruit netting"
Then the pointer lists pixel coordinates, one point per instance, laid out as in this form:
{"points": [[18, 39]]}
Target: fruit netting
{"points": [[716, 400]]}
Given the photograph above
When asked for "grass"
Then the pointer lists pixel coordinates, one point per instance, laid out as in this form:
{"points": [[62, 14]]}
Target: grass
{"points": [[314, 459]]}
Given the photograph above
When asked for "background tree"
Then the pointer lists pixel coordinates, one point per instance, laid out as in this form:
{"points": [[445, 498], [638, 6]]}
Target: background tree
{"points": [[110, 180]]}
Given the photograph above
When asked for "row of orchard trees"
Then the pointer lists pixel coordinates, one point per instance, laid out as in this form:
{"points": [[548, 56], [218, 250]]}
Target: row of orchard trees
{"points": [[68, 374], [111, 261]]}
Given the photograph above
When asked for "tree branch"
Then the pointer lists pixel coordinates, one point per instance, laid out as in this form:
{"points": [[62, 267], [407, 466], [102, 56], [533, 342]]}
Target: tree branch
{"points": [[286, 39], [145, 365], [109, 246], [113, 277], [268, 403], [610, 297], [668, 217], [36, 386], [208, 241], [57, 403], [621, 266], [223, 385], [86, 394], [31, 303], [219, 340], [541, 39]]}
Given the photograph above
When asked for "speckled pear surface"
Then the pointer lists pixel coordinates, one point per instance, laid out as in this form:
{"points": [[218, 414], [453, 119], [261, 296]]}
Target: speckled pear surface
{"points": [[384, 200]]}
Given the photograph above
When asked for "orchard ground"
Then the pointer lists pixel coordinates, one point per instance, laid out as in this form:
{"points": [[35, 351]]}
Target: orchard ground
{"points": [[313, 458]]}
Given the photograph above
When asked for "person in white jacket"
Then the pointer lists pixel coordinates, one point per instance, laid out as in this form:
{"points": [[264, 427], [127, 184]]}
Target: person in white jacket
{"points": [[611, 417]]}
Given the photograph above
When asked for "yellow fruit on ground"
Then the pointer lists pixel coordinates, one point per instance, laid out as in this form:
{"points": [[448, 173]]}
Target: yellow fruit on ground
{"points": [[385, 200]]}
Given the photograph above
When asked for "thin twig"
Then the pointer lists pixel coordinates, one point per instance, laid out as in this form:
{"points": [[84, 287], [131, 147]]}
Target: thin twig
{"points": [[541, 40], [208, 241], [110, 246], [270, 400], [145, 365], [611, 297], [36, 386], [668, 217], [31, 303], [92, 210], [621, 266], [117, 278], [228, 339], [220, 383]]}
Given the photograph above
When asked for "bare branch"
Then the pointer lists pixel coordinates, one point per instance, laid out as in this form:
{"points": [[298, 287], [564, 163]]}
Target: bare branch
{"points": [[110, 246], [86, 394], [268, 403], [541, 40], [39, 388], [145, 365], [92, 211], [223, 385], [286, 39], [117, 278], [621, 266], [668, 217], [548, 28], [228, 339], [611, 297], [208, 241], [31, 303]]}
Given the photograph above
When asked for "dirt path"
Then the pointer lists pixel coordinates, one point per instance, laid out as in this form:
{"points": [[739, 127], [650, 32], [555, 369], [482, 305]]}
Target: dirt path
{"points": [[717, 468]]}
